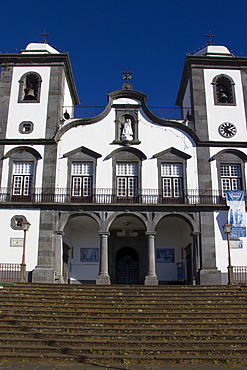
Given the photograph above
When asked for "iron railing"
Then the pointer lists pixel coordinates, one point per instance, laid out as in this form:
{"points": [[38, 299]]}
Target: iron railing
{"points": [[109, 196], [80, 111], [240, 275], [9, 272]]}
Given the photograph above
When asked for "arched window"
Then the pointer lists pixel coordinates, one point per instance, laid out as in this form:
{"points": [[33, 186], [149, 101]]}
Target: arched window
{"points": [[29, 89], [127, 164], [81, 180], [230, 167], [22, 172], [224, 92], [172, 165]]}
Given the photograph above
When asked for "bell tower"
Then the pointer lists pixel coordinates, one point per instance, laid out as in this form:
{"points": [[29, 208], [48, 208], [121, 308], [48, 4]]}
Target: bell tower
{"points": [[213, 85], [35, 86]]}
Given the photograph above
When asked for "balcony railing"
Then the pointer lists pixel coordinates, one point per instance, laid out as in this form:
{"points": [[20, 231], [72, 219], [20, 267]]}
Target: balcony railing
{"points": [[240, 275], [10, 272], [108, 196], [80, 111]]}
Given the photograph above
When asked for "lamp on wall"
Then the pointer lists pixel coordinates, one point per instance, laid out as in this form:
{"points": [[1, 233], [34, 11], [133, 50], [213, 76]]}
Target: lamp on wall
{"points": [[25, 227], [227, 229]]}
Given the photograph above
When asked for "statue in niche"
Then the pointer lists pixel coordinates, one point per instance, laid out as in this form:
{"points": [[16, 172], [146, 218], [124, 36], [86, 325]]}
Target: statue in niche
{"points": [[127, 132]]}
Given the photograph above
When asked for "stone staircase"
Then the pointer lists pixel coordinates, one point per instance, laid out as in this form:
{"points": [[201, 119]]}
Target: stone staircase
{"points": [[124, 324]]}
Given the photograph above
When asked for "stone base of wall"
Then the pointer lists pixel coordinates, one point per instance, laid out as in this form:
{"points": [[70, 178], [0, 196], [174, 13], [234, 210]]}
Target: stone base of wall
{"points": [[43, 274], [151, 280], [210, 277]]}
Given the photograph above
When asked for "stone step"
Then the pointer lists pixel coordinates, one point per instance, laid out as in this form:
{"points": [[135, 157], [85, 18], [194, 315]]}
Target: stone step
{"points": [[119, 323], [126, 305], [86, 350], [104, 342], [115, 317], [126, 359], [169, 335], [56, 320], [107, 330]]}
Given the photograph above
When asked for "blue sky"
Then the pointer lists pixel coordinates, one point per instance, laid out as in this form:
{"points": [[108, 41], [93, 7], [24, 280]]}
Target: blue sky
{"points": [[103, 37]]}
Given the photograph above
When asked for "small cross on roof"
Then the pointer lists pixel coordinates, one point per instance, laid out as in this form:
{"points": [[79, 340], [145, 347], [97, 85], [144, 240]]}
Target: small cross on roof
{"points": [[44, 34], [209, 38], [127, 74]]}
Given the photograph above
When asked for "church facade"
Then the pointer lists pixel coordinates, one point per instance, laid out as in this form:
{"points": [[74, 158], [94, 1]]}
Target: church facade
{"points": [[125, 196]]}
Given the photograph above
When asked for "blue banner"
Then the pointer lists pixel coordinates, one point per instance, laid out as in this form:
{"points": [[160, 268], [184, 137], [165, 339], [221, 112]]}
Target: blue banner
{"points": [[236, 215]]}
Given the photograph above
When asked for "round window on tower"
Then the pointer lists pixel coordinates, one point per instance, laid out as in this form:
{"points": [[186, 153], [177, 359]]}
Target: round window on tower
{"points": [[26, 127]]}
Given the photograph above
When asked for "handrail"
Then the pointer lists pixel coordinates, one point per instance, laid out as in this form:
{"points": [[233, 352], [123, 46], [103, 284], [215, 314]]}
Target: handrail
{"points": [[240, 275], [176, 113], [109, 196]]}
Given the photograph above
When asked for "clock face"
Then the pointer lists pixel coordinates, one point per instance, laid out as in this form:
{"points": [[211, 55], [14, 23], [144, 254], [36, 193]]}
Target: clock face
{"points": [[227, 129]]}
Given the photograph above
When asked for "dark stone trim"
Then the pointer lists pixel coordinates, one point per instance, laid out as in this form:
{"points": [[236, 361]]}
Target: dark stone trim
{"points": [[27, 141], [117, 207], [84, 150], [5, 91], [222, 143], [174, 151], [244, 85], [234, 152], [133, 151], [22, 149]]}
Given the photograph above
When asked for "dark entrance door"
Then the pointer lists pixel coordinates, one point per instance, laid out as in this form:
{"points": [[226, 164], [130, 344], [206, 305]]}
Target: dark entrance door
{"points": [[127, 266]]}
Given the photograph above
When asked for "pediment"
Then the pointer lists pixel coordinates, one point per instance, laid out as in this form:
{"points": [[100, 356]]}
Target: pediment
{"points": [[84, 150], [172, 152]]}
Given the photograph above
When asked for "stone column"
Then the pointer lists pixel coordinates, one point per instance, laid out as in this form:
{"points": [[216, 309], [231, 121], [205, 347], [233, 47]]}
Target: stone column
{"points": [[44, 272], [58, 256], [196, 263], [209, 274], [151, 277], [103, 277]]}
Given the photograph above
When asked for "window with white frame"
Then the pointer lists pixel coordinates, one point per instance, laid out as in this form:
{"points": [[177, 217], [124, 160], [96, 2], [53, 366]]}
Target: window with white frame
{"points": [[172, 180], [230, 177], [127, 179], [22, 178], [82, 175]]}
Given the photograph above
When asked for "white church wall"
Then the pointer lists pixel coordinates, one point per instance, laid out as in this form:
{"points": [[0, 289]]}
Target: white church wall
{"points": [[68, 104], [218, 114], [172, 233], [13, 254], [84, 239], [99, 137], [34, 112]]}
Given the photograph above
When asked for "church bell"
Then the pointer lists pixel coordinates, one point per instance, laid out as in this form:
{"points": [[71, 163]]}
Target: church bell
{"points": [[223, 98]]}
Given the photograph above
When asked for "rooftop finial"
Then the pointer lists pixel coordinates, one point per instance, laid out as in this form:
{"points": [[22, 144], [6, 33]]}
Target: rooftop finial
{"points": [[209, 38], [44, 34], [127, 75]]}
